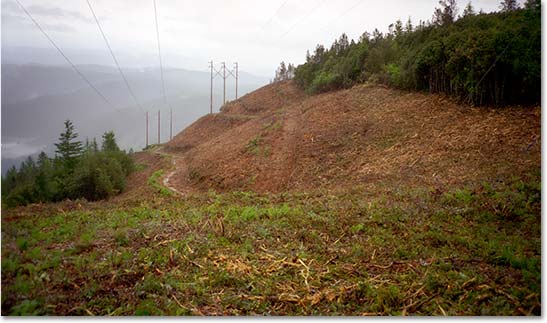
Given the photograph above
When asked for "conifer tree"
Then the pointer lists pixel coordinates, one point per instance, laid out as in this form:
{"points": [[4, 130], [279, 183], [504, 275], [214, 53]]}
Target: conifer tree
{"points": [[509, 5], [68, 148], [446, 14], [533, 5], [469, 10], [109, 142]]}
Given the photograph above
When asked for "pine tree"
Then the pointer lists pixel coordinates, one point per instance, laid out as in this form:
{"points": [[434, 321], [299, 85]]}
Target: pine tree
{"points": [[9, 181], [343, 43], [398, 28], [446, 14], [44, 179], [533, 5], [469, 10], [94, 147], [109, 142], [290, 71], [282, 71], [509, 5], [68, 148], [28, 170], [409, 27]]}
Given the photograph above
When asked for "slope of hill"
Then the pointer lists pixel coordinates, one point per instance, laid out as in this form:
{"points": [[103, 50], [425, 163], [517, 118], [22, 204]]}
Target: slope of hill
{"points": [[277, 138], [384, 203]]}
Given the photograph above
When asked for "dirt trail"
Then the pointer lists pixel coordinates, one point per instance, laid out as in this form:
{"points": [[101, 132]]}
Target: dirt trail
{"points": [[177, 166], [175, 162]]}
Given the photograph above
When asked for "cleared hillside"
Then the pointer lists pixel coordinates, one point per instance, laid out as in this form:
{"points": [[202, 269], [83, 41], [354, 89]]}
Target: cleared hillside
{"points": [[383, 203], [278, 139]]}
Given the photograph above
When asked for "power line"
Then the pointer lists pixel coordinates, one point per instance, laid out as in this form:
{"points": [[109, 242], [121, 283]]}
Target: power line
{"points": [[301, 20], [159, 53], [275, 14], [358, 3], [66, 58], [270, 20], [114, 57]]}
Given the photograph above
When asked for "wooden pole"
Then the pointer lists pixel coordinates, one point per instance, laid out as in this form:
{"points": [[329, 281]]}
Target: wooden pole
{"points": [[171, 124], [237, 76], [211, 105], [158, 127], [224, 77], [146, 128]]}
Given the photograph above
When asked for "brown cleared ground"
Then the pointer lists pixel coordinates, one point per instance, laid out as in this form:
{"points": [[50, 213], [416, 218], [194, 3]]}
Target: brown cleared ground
{"points": [[278, 138]]}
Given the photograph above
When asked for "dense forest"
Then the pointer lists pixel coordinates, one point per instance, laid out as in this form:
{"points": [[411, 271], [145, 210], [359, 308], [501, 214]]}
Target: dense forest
{"points": [[77, 171], [480, 58]]}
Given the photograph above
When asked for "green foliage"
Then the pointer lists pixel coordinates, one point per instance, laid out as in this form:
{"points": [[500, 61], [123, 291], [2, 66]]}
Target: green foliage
{"points": [[257, 147], [474, 251], [68, 148], [27, 308], [76, 172], [109, 142], [98, 176], [284, 72], [153, 181], [479, 58]]}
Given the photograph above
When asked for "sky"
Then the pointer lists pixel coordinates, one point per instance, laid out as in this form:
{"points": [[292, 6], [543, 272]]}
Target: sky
{"points": [[256, 34]]}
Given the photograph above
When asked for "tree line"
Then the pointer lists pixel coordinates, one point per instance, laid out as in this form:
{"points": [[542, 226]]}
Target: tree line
{"points": [[283, 72], [480, 58], [78, 170]]}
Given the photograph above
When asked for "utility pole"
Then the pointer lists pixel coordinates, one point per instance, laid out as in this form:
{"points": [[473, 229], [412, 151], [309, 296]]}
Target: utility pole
{"points": [[171, 124], [211, 106], [224, 77], [158, 127], [237, 75], [146, 128]]}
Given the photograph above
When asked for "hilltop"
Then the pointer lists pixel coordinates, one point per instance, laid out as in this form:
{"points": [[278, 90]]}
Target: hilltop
{"points": [[279, 139]]}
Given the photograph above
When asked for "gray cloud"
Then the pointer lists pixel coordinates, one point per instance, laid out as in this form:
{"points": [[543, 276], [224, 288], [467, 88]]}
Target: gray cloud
{"points": [[8, 17], [56, 12], [13, 9], [10, 20], [244, 30]]}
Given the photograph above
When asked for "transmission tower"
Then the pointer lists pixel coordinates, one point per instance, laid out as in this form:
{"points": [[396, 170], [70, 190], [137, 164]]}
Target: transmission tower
{"points": [[222, 74]]}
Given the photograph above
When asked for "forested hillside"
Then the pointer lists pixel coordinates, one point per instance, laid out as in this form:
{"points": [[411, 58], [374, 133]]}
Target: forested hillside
{"points": [[77, 171], [479, 58]]}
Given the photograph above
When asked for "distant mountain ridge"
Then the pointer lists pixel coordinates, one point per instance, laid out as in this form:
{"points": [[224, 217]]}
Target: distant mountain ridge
{"points": [[37, 98]]}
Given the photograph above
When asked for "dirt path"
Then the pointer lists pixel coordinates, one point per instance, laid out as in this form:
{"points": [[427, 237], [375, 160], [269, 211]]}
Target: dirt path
{"points": [[166, 180], [177, 166], [291, 135]]}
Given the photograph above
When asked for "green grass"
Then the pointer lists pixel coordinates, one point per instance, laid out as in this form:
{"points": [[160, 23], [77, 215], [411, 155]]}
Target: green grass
{"points": [[154, 181], [256, 146], [152, 147], [272, 126], [470, 251], [140, 167]]}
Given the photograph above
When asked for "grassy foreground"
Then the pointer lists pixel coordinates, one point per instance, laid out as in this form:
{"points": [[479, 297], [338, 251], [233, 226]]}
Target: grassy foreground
{"points": [[403, 251]]}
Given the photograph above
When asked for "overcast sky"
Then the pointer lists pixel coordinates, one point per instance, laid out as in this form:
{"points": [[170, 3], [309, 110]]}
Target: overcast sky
{"points": [[257, 34]]}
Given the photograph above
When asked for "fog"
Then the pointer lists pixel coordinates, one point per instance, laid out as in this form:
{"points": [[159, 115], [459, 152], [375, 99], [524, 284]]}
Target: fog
{"points": [[38, 98]]}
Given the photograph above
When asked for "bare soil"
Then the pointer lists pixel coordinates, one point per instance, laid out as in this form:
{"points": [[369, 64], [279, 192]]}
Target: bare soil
{"points": [[278, 138]]}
